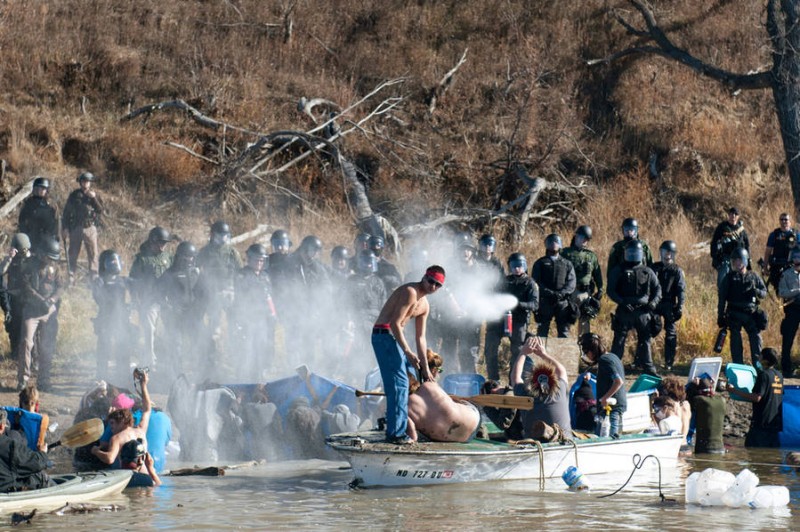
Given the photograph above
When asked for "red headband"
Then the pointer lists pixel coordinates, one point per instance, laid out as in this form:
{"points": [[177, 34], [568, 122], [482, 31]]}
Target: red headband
{"points": [[435, 275]]}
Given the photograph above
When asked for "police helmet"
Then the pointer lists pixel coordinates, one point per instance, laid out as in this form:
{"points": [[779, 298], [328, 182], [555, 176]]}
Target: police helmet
{"points": [[280, 239], [159, 234], [311, 244], [366, 262], [220, 227], [257, 251], [590, 308], [553, 242], [185, 250], [86, 176], [51, 248], [110, 263], [21, 242], [362, 241], [630, 224], [740, 253], [794, 255], [668, 247], [516, 260], [634, 252], [42, 182], [585, 231], [463, 240], [488, 243], [376, 244], [340, 253]]}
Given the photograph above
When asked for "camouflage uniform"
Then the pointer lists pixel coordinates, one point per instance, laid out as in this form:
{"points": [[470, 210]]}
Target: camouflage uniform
{"points": [[588, 280], [147, 267]]}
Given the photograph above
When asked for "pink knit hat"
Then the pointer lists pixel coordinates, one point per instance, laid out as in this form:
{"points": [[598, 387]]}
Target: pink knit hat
{"points": [[122, 401]]}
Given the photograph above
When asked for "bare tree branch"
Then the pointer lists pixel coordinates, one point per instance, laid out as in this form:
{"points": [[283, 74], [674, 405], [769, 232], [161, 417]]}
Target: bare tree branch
{"points": [[666, 48], [436, 92], [16, 199], [191, 152]]}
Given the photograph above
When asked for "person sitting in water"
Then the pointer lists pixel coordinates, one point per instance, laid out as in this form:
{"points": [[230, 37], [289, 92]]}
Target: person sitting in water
{"points": [[20, 467], [665, 412], [767, 398], [134, 456], [547, 384], [122, 429], [435, 415], [585, 405]]}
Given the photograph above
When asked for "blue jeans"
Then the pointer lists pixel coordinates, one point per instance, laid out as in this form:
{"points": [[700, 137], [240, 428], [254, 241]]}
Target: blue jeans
{"points": [[616, 423], [393, 365]]}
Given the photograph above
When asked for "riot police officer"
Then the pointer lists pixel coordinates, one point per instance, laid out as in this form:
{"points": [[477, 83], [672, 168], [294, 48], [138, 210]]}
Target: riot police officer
{"points": [[789, 290], [588, 277], [149, 264], [38, 218], [11, 270], [181, 296], [79, 223], [635, 289], [739, 295], [495, 278], [524, 288], [340, 264], [555, 277], [386, 270], [728, 236], [673, 296], [630, 231], [254, 315], [112, 325], [364, 294], [780, 243], [42, 287], [218, 262]]}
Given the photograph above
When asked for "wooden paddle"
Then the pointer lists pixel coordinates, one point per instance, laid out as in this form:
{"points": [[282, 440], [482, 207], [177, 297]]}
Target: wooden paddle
{"points": [[81, 434], [491, 400]]}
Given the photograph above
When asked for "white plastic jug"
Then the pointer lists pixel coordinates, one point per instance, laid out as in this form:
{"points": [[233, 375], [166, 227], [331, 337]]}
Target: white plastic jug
{"points": [[691, 488], [712, 485], [770, 497], [574, 479], [742, 490]]}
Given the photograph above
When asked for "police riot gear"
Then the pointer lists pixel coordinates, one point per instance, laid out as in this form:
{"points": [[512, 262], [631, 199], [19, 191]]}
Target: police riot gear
{"points": [[367, 262], [21, 242], [340, 253], [740, 254], [517, 260], [463, 240], [41, 182], [280, 240], [362, 241], [257, 251], [86, 176], [158, 235], [630, 225], [110, 263], [585, 231], [634, 252], [376, 244], [553, 242], [52, 249], [488, 242]]}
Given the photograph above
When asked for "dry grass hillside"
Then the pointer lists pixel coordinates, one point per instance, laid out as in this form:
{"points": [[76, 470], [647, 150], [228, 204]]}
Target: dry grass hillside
{"points": [[524, 97]]}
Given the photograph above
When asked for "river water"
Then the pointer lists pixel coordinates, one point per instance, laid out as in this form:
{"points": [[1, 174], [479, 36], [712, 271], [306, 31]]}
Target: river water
{"points": [[314, 494]]}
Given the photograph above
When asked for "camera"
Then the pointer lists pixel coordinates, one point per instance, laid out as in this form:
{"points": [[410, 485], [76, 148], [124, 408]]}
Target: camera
{"points": [[138, 373]]}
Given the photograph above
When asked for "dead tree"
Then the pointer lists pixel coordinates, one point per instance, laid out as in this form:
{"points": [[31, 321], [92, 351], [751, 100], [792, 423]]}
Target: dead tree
{"points": [[783, 78]]}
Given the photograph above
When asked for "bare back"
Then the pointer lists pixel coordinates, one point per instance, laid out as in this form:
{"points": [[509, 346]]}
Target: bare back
{"points": [[439, 417]]}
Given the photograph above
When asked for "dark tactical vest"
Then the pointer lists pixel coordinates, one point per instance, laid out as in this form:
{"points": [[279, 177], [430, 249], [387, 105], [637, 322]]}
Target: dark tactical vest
{"points": [[553, 273], [740, 296], [783, 243], [633, 282], [669, 279]]}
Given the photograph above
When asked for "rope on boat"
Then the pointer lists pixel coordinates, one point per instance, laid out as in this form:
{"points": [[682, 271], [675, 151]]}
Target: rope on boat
{"points": [[574, 448], [638, 462], [541, 463]]}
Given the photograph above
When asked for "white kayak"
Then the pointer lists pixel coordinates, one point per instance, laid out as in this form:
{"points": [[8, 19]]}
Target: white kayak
{"points": [[70, 488], [377, 463]]}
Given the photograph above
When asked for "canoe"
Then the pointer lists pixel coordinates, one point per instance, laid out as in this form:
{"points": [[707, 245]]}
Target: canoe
{"points": [[377, 463], [70, 488]]}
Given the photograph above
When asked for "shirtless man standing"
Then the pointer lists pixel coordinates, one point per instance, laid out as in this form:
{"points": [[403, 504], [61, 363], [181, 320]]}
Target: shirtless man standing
{"points": [[434, 414], [122, 429], [394, 355]]}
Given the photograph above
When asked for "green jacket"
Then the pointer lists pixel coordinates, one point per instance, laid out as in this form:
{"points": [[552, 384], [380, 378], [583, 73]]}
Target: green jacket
{"points": [[147, 267], [587, 269]]}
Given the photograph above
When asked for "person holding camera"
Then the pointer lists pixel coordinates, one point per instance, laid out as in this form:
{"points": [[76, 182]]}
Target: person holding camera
{"points": [[122, 429]]}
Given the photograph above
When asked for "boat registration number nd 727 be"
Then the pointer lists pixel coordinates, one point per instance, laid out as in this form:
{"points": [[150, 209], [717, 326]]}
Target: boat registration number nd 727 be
{"points": [[421, 473]]}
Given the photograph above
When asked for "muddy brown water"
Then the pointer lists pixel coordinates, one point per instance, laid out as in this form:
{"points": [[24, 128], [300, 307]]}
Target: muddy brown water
{"points": [[314, 494]]}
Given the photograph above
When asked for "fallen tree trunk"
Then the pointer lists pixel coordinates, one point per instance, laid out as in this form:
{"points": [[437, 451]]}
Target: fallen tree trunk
{"points": [[16, 199]]}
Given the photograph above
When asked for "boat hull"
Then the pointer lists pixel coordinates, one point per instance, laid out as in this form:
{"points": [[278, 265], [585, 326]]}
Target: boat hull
{"points": [[376, 463], [73, 489]]}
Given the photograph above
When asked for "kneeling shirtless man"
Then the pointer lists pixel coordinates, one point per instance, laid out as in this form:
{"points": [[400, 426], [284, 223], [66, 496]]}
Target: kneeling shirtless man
{"points": [[433, 413]]}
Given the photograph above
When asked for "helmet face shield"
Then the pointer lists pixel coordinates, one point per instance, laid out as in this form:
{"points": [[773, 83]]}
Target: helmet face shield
{"points": [[514, 265], [667, 256]]}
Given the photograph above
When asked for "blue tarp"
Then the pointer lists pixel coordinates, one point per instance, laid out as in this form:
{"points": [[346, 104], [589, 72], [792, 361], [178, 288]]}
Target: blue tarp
{"points": [[790, 437]]}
